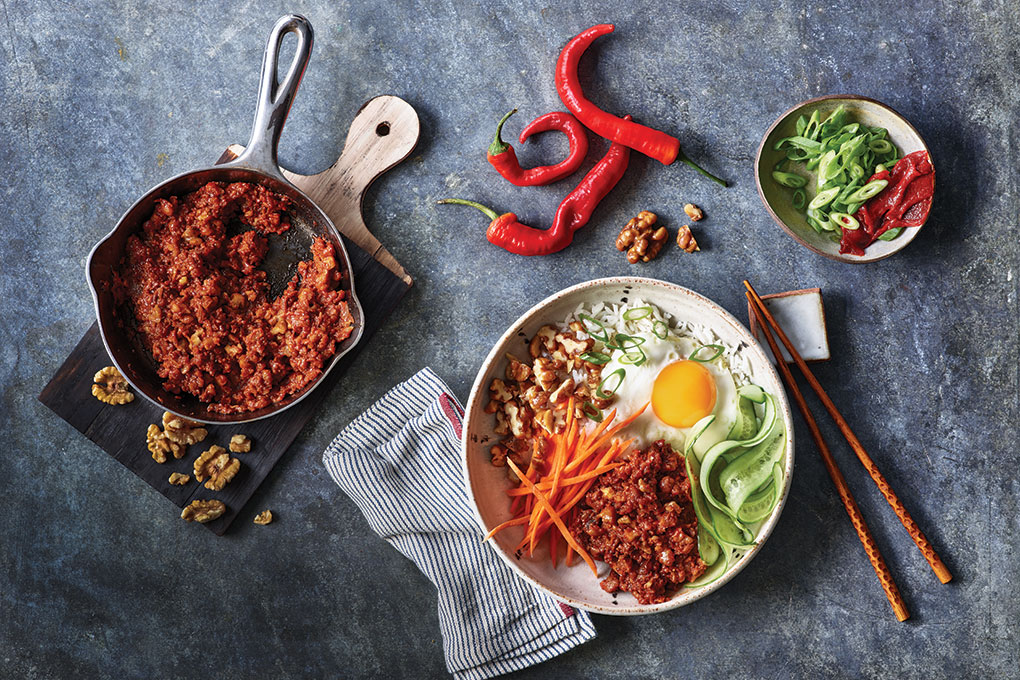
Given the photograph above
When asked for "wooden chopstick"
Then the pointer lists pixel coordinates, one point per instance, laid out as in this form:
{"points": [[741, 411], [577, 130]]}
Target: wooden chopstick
{"points": [[856, 518], [940, 569]]}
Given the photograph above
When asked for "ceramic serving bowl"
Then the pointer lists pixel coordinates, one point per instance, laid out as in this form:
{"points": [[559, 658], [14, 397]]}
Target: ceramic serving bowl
{"points": [[777, 198], [487, 485]]}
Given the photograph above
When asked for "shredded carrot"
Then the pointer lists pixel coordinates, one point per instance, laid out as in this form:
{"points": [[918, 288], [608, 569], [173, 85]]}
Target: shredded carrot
{"points": [[548, 494], [601, 441], [509, 523], [568, 481], [544, 502]]}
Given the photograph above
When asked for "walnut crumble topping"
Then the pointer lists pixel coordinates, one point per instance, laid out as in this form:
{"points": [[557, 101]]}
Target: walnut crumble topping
{"points": [[531, 399]]}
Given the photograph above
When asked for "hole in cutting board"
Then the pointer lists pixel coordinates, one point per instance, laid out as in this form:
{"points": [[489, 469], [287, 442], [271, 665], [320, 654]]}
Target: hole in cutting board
{"points": [[382, 129]]}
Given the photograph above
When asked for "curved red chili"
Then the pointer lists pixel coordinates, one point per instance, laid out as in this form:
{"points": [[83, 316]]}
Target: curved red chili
{"points": [[507, 232], [649, 141], [503, 157]]}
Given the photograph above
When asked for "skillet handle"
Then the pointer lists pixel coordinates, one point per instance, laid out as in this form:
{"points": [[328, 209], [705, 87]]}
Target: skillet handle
{"points": [[274, 98]]}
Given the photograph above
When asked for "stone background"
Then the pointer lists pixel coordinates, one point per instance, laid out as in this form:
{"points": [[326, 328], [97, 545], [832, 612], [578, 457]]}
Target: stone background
{"points": [[101, 100]]}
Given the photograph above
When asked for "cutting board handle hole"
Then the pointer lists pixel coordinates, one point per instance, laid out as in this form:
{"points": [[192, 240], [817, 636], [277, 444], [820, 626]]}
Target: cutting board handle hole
{"points": [[382, 129]]}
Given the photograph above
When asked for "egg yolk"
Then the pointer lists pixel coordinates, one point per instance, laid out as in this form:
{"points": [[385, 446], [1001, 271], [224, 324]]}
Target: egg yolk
{"points": [[683, 393]]}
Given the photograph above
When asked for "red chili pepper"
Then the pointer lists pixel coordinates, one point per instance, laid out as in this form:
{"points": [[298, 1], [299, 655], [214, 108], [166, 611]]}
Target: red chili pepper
{"points": [[502, 156], [507, 232], [649, 141]]}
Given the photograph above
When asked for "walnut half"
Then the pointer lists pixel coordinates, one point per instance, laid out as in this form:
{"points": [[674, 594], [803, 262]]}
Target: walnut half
{"points": [[263, 518], [158, 444], [218, 465], [177, 479], [641, 238], [240, 443], [111, 387], [181, 430], [203, 511]]}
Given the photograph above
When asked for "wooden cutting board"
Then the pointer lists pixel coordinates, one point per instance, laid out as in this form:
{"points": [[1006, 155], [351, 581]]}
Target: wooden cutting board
{"points": [[383, 133]]}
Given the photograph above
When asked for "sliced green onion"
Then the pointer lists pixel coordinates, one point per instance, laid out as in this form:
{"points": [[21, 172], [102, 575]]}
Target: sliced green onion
{"points": [[890, 234], [880, 145], [867, 191], [844, 220], [789, 179], [799, 199], [589, 409], [637, 313], [719, 349], [595, 358], [842, 154], [602, 336], [823, 198], [798, 142], [801, 125], [623, 341], [660, 329], [602, 393], [633, 358]]}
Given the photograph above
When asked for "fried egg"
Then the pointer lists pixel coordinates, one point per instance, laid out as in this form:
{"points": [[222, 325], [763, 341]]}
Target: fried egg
{"points": [[681, 391]]}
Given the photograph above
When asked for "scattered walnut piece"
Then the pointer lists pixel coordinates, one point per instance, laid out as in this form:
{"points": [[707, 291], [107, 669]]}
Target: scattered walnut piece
{"points": [[159, 446], [203, 511], [694, 212], [218, 465], [641, 238], [177, 479], [685, 239], [498, 455], [111, 387], [181, 430], [240, 443], [263, 518]]}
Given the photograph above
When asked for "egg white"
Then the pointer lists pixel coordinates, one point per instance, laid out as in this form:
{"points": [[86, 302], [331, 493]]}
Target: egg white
{"points": [[636, 390]]}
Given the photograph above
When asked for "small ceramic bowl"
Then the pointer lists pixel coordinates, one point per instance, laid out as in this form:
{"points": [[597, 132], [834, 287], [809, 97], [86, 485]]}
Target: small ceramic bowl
{"points": [[487, 485], [777, 197]]}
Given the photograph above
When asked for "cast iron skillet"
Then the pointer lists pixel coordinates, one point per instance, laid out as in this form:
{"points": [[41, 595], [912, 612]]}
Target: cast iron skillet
{"points": [[258, 165]]}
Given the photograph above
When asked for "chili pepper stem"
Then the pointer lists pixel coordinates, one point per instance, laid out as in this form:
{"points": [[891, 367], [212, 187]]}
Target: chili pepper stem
{"points": [[489, 212], [682, 157], [498, 146]]}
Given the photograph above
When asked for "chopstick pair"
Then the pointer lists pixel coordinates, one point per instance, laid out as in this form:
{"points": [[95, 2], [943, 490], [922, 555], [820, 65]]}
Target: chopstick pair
{"points": [[769, 324]]}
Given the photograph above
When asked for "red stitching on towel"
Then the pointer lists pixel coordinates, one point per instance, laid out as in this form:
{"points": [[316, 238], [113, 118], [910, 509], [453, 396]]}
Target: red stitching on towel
{"points": [[452, 411], [567, 610]]}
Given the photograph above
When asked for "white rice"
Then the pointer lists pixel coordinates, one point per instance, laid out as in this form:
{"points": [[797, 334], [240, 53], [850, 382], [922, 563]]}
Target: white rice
{"points": [[611, 315]]}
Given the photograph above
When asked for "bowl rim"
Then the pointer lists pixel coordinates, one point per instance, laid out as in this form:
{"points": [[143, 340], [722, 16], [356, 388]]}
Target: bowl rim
{"points": [[852, 259], [479, 388]]}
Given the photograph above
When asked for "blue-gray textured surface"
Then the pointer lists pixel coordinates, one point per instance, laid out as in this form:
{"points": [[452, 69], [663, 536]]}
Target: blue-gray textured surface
{"points": [[98, 576]]}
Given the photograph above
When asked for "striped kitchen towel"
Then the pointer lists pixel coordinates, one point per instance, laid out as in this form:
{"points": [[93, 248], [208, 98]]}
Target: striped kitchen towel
{"points": [[399, 461]]}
